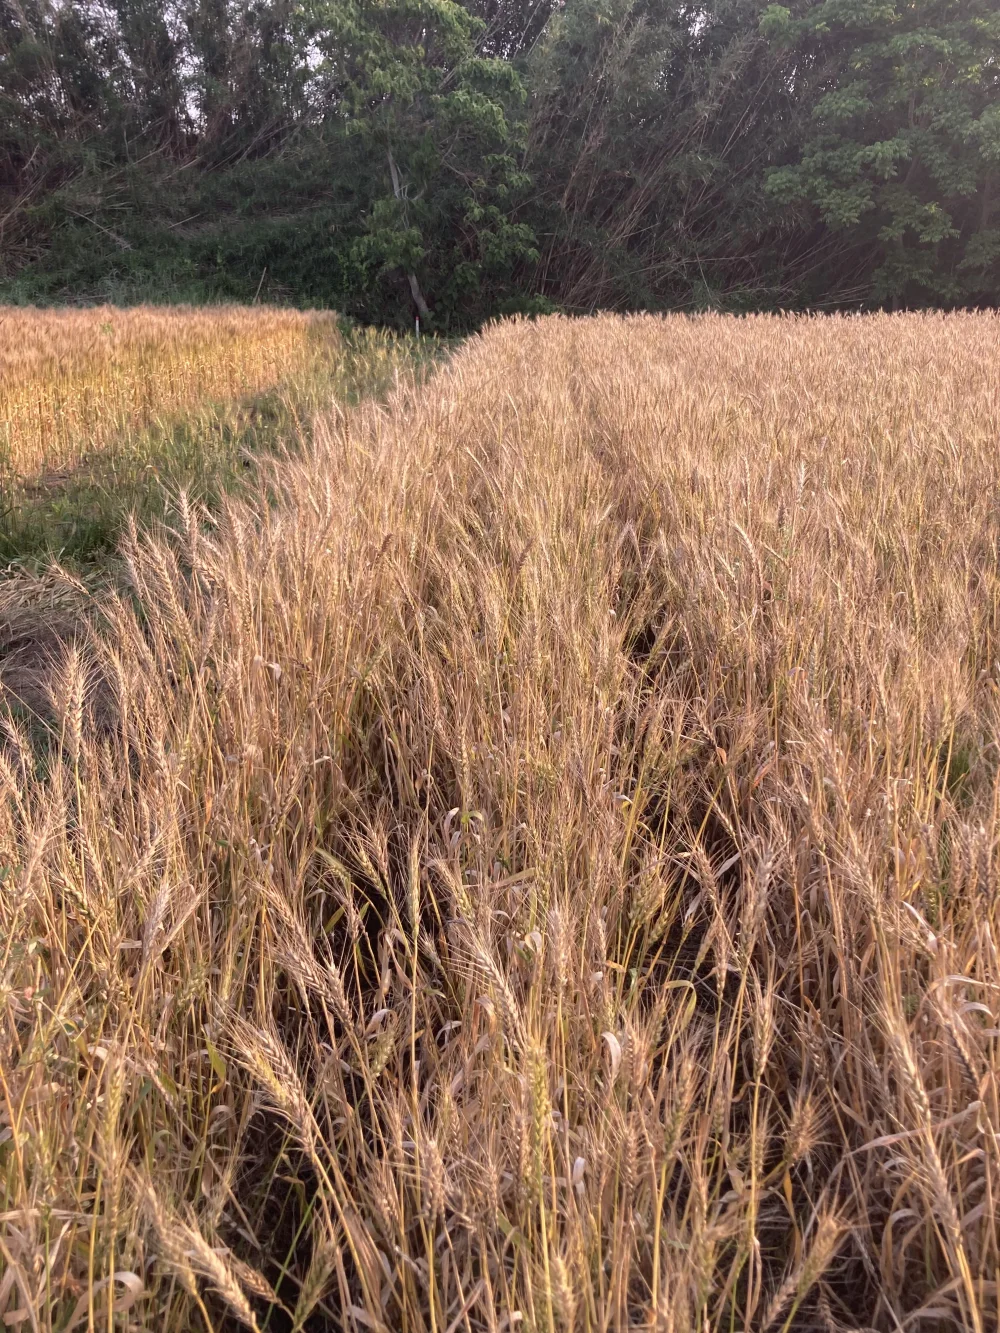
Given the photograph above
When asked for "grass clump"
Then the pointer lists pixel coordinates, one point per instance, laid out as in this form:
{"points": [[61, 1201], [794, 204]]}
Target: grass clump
{"points": [[481, 877]]}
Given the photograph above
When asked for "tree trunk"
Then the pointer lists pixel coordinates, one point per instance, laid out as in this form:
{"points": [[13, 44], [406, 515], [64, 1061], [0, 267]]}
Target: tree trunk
{"points": [[415, 292]]}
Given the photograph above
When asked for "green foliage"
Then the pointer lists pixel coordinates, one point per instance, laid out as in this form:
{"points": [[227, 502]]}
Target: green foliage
{"points": [[435, 121], [655, 122], [459, 159], [903, 138]]}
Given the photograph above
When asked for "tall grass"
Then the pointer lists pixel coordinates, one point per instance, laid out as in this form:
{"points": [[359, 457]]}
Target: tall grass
{"points": [[534, 865]]}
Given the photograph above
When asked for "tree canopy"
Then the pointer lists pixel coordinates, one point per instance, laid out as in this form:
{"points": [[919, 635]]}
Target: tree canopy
{"points": [[460, 160]]}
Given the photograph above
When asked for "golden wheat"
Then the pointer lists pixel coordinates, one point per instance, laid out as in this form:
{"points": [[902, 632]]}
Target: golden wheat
{"points": [[536, 864], [73, 382]]}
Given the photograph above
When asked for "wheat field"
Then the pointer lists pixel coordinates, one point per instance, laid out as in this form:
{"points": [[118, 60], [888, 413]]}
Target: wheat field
{"points": [[75, 381], [533, 864]]}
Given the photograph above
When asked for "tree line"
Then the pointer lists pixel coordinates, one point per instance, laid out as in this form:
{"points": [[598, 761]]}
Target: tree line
{"points": [[459, 160]]}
